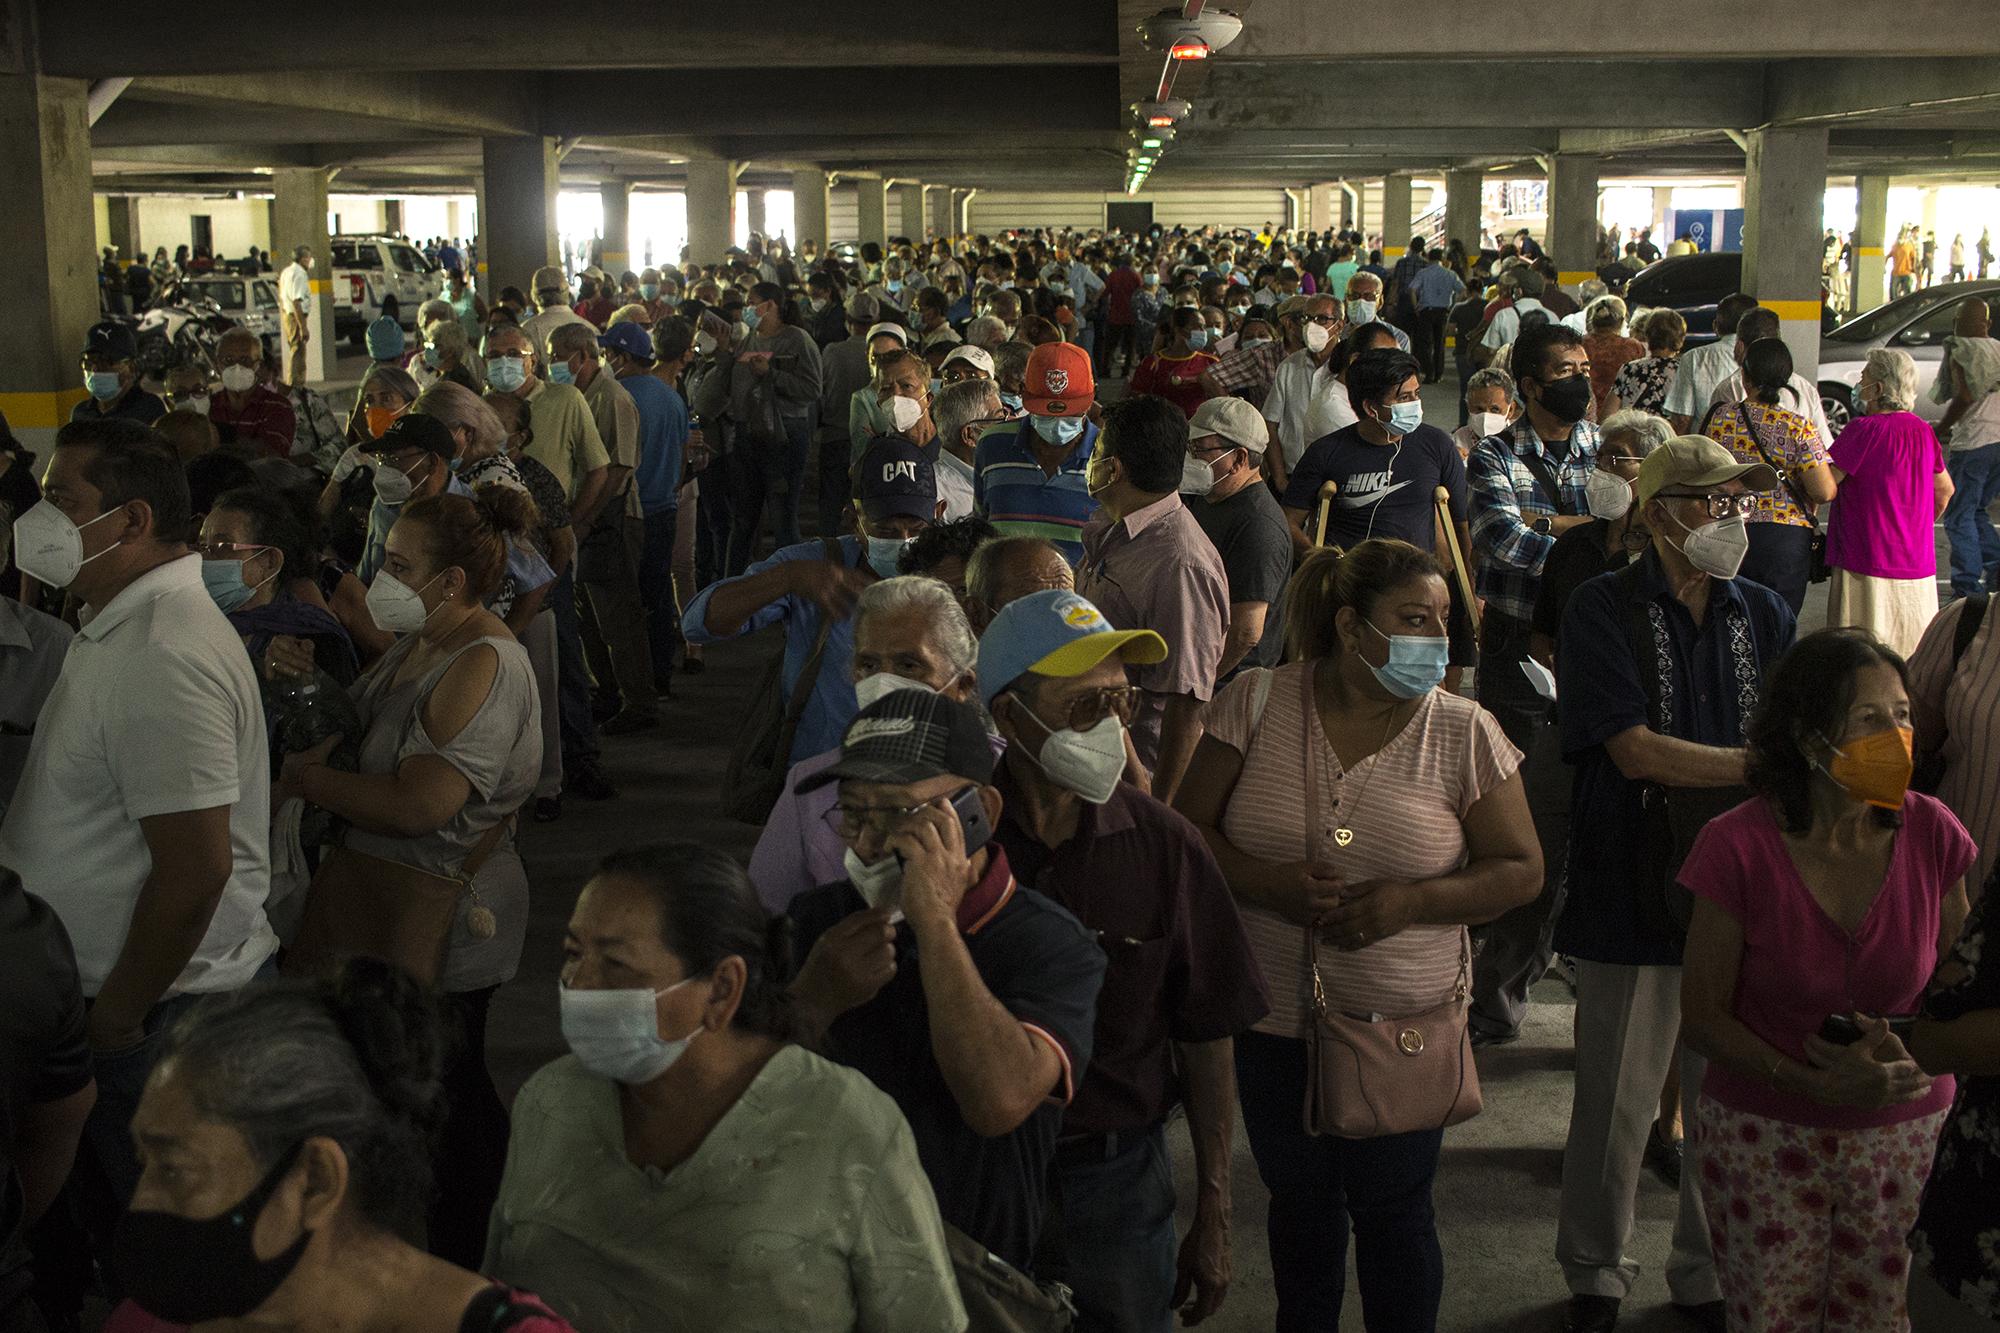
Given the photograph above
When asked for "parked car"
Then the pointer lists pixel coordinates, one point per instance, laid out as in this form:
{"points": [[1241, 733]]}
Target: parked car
{"points": [[1692, 284], [1918, 324], [251, 302], [368, 268]]}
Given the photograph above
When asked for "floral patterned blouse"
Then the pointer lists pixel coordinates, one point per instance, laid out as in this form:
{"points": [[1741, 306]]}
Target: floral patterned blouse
{"points": [[1789, 442], [1642, 384], [1957, 1236]]}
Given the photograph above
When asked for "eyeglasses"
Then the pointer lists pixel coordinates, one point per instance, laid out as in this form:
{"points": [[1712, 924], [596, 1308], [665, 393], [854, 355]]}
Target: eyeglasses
{"points": [[1717, 504], [1324, 321], [849, 820], [1087, 710], [225, 550]]}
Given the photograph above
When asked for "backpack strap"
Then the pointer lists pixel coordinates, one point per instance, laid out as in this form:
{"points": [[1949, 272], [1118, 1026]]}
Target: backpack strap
{"points": [[1969, 621]]}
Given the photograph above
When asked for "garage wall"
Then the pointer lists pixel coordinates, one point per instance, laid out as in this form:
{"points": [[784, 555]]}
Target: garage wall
{"points": [[996, 210], [237, 224]]}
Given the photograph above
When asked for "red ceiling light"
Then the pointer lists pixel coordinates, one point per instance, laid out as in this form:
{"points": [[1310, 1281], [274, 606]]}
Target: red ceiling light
{"points": [[1159, 122], [1192, 48]]}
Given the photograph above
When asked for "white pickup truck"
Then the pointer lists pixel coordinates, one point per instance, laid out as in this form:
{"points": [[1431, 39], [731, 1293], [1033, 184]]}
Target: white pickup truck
{"points": [[368, 268]]}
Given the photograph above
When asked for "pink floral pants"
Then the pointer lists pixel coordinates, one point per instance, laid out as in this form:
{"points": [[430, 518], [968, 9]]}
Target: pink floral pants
{"points": [[1810, 1226]]}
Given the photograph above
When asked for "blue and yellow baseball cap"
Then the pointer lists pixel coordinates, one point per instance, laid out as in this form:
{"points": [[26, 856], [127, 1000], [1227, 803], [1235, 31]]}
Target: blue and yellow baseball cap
{"points": [[1056, 633]]}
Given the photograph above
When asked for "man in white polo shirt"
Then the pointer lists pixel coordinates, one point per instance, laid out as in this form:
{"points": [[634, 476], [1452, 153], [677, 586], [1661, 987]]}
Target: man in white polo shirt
{"points": [[143, 815], [1307, 401]]}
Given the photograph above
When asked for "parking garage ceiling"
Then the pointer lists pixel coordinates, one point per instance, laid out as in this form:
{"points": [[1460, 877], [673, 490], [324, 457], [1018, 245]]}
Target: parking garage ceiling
{"points": [[1032, 94]]}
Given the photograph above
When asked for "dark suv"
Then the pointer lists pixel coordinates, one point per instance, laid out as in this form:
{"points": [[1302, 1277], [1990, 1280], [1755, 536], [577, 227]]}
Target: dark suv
{"points": [[1692, 284]]}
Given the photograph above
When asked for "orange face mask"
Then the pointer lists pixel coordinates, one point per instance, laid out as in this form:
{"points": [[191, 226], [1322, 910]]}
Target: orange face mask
{"points": [[1876, 768], [379, 419]]}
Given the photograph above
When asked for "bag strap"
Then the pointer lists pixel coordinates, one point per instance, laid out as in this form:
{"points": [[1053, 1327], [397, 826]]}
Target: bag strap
{"points": [[1538, 468], [1784, 477], [1962, 633], [488, 843], [802, 688]]}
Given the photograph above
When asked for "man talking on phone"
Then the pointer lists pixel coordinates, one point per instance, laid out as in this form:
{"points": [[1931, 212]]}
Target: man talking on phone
{"points": [[967, 998]]}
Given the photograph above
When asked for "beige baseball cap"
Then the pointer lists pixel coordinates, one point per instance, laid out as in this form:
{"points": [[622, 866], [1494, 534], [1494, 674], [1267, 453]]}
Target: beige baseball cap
{"points": [[1234, 419]]}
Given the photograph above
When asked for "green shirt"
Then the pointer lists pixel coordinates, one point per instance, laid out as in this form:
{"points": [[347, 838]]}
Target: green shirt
{"points": [[1336, 279], [566, 440], [804, 1210]]}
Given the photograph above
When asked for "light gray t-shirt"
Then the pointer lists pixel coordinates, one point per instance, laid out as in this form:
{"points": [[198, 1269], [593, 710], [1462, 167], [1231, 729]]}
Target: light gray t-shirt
{"points": [[499, 752]]}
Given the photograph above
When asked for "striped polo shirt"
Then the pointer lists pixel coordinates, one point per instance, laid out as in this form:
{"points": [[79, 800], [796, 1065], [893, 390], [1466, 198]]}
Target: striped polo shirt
{"points": [[1017, 497]]}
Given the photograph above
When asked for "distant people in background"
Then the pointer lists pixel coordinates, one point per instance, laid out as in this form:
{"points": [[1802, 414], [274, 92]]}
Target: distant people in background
{"points": [[1902, 265], [1609, 348], [295, 303], [1641, 384], [1702, 369], [1893, 487], [1968, 382]]}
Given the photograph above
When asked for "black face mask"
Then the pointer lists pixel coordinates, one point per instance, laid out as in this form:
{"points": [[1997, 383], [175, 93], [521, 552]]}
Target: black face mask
{"points": [[188, 1270], [1567, 400]]}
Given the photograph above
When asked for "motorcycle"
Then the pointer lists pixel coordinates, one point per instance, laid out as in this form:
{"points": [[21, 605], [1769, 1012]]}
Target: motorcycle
{"points": [[180, 330]]}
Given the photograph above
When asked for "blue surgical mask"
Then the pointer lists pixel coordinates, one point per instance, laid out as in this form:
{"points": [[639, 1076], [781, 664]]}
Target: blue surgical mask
{"points": [[1416, 664], [615, 1034], [937, 385], [506, 373], [560, 373], [1225, 268], [103, 384], [1197, 340], [1360, 311], [1405, 417], [1059, 430], [649, 290], [1010, 401], [224, 581], [431, 357], [883, 552]]}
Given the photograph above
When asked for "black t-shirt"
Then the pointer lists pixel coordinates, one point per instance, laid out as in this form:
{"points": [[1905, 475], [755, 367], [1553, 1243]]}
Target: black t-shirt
{"points": [[1386, 490], [1249, 532], [43, 1057], [1045, 969], [1576, 558]]}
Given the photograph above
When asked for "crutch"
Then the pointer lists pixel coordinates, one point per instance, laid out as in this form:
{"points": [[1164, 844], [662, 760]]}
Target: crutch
{"points": [[1326, 494], [1450, 531]]}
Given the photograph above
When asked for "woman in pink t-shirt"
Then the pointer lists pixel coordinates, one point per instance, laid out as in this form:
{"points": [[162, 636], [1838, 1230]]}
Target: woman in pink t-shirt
{"points": [[1827, 898]]}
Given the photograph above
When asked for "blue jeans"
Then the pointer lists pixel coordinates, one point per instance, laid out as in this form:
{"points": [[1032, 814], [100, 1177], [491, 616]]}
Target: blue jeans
{"points": [[1111, 1231], [579, 730], [1975, 545], [760, 474], [656, 590], [1319, 1184]]}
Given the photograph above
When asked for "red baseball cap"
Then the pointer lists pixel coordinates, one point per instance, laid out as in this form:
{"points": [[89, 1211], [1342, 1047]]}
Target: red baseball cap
{"points": [[1058, 382]]}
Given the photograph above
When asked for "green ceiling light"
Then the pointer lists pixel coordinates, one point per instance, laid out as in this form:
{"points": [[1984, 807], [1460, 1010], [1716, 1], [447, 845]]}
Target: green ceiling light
{"points": [[1150, 143]]}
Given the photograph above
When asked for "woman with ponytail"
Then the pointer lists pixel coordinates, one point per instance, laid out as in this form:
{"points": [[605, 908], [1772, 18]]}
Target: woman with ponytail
{"points": [[285, 1140], [451, 748], [689, 1165]]}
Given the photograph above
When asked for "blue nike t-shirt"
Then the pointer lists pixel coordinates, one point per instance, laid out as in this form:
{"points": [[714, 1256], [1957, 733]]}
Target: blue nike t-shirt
{"points": [[1386, 490]]}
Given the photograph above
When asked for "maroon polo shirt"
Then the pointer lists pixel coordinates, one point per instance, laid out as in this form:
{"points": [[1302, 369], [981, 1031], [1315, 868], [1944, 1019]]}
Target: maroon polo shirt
{"points": [[1179, 964], [265, 421]]}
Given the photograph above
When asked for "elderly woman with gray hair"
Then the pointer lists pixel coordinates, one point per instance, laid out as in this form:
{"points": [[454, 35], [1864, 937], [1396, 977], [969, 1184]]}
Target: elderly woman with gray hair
{"points": [[1893, 487], [909, 634], [285, 1137], [1609, 347]]}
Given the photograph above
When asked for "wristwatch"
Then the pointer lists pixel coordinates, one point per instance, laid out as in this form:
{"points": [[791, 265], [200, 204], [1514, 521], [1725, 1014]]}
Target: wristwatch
{"points": [[1544, 525]]}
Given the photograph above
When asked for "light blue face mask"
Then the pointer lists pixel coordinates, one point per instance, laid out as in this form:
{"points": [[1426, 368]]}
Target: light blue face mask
{"points": [[1405, 417], [649, 290], [1360, 311], [103, 384], [1010, 401], [560, 373], [431, 357], [1416, 664], [224, 581], [1059, 430], [883, 552], [1225, 268], [1197, 340], [506, 373]]}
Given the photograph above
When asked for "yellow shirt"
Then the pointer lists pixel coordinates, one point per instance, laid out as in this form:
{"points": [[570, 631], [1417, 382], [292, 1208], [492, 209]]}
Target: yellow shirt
{"points": [[566, 440]]}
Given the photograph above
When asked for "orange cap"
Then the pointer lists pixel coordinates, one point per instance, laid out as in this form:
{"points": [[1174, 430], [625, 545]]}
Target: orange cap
{"points": [[1058, 382]]}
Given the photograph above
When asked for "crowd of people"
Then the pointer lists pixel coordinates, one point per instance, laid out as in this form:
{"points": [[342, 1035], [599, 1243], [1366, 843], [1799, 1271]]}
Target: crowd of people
{"points": [[1226, 743]]}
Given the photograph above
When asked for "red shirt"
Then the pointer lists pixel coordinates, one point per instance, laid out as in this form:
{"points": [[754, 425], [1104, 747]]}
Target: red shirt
{"points": [[266, 420], [1118, 289], [1176, 380]]}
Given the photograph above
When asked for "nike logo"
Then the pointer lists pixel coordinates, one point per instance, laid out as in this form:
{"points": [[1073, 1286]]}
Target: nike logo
{"points": [[1368, 488]]}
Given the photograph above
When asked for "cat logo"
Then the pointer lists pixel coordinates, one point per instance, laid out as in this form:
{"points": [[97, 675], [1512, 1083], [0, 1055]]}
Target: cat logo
{"points": [[1057, 382], [905, 468]]}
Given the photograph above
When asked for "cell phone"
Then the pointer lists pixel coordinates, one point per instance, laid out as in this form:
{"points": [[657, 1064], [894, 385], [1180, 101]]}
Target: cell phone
{"points": [[1842, 1030], [971, 812]]}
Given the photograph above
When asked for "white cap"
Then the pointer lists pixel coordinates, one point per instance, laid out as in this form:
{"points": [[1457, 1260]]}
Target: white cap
{"points": [[977, 357], [1234, 419], [896, 331]]}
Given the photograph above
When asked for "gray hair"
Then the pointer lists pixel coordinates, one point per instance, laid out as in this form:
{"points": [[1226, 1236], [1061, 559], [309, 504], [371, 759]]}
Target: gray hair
{"points": [[435, 311], [988, 331], [566, 340], [354, 1058], [395, 377], [1892, 371], [944, 619], [1492, 377], [1606, 312], [459, 408], [1011, 359], [959, 405], [1648, 432], [982, 572], [1590, 289], [450, 340]]}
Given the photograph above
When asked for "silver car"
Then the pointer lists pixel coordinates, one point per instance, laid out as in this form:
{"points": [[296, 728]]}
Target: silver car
{"points": [[1918, 324]]}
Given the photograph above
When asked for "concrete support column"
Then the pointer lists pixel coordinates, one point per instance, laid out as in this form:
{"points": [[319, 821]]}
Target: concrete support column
{"points": [[1320, 207], [913, 210], [1464, 195], [517, 210], [871, 194], [453, 220], [1785, 200], [937, 209], [124, 214], [1871, 242], [48, 257], [754, 200], [809, 208], [1573, 231], [298, 217], [1350, 206], [616, 255], [961, 211], [1663, 206], [392, 216], [711, 207], [1395, 217]]}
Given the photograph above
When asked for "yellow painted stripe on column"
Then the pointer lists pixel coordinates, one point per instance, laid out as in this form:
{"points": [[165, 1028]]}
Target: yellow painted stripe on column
{"points": [[614, 256], [1570, 278], [1394, 251], [1793, 310], [1869, 251], [322, 284], [40, 411]]}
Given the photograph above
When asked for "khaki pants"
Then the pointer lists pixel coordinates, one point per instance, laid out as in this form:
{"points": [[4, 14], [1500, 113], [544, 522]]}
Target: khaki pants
{"points": [[613, 616], [297, 335], [1626, 1021]]}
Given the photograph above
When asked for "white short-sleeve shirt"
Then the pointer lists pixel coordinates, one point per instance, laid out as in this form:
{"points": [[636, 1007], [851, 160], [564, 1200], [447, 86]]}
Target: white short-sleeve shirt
{"points": [[1699, 371], [295, 285], [156, 712], [1307, 402]]}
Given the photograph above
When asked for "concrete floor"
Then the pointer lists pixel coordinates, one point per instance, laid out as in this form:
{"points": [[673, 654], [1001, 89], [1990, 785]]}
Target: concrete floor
{"points": [[1499, 1180]]}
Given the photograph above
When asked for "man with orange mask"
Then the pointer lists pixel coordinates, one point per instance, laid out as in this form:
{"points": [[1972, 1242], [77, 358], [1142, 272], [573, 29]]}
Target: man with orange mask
{"points": [[245, 412]]}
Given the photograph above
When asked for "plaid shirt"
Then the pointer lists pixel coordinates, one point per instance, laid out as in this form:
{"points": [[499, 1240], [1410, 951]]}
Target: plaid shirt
{"points": [[1249, 367], [1506, 498]]}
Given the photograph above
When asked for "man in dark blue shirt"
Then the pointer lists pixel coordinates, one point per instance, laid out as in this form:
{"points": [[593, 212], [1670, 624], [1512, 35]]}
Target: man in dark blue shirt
{"points": [[1658, 672]]}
